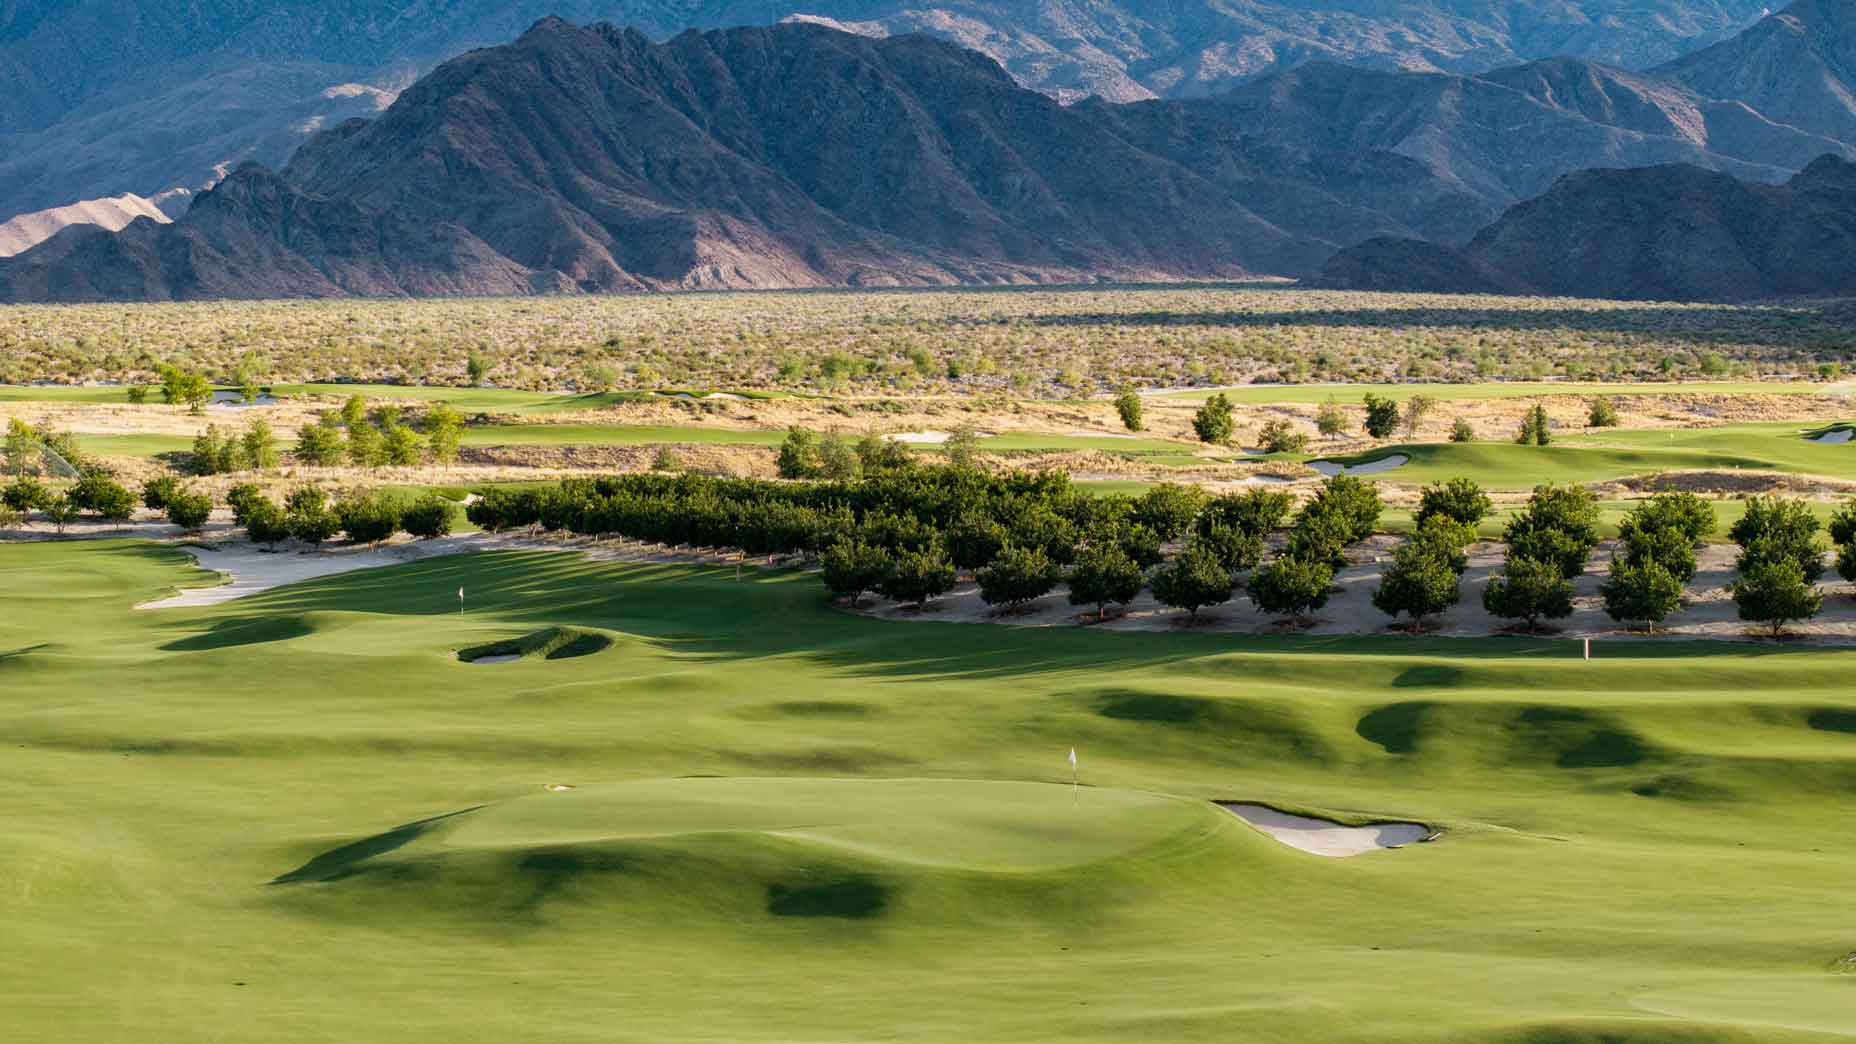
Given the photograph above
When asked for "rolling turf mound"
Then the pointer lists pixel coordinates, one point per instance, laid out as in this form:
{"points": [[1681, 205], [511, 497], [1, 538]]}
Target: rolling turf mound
{"points": [[549, 643], [841, 848]]}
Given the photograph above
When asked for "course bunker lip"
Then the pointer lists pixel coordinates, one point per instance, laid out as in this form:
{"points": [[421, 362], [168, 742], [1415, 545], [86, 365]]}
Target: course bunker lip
{"points": [[1325, 838], [1332, 468], [1834, 437]]}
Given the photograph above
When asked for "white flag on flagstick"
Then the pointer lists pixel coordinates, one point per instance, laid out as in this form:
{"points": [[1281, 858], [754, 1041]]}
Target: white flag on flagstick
{"points": [[1072, 757]]}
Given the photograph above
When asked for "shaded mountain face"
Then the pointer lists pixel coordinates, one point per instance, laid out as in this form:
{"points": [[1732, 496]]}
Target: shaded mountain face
{"points": [[594, 159], [1668, 233], [102, 97], [1796, 67]]}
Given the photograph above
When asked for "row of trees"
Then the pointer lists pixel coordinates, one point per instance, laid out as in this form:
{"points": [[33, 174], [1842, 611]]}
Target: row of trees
{"points": [[353, 436], [1215, 421]]}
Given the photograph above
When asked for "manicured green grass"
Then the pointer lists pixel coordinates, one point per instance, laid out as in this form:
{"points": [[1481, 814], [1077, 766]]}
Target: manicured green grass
{"points": [[1618, 454], [298, 817], [1354, 393]]}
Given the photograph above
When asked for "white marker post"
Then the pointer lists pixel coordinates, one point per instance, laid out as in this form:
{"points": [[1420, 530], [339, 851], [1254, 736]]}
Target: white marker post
{"points": [[1588, 648], [460, 601], [1075, 786]]}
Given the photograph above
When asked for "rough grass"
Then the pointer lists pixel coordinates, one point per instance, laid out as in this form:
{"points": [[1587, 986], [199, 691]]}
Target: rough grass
{"points": [[246, 840]]}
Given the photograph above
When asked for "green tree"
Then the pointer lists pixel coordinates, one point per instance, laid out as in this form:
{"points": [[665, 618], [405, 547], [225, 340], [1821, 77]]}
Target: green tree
{"points": [[1600, 413], [1774, 529], [366, 447], [1192, 581], [880, 454], [190, 511], [1642, 592], [1843, 524], [1215, 422], [1319, 536], [307, 512], [1235, 549], [963, 447], [1417, 408], [837, 460], [476, 368], [1257, 512], [1536, 429], [850, 568], [242, 499], [258, 445], [1128, 404], [1529, 590], [319, 445], [266, 523], [1559, 525], [1017, 577], [1104, 574], [156, 491], [185, 388], [60, 512], [22, 447], [1775, 592], [974, 540], [1168, 508], [1330, 419], [1291, 586], [1140, 543], [1419, 582], [368, 518], [1352, 499], [1462, 431], [429, 517], [215, 452], [1683, 513], [25, 494], [1459, 500], [138, 395], [1280, 436], [354, 412], [798, 454], [400, 446], [444, 433], [1381, 417], [1666, 548], [919, 577], [104, 497]]}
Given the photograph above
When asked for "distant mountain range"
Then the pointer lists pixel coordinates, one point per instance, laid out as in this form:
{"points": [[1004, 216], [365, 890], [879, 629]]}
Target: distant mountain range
{"points": [[105, 97], [595, 159]]}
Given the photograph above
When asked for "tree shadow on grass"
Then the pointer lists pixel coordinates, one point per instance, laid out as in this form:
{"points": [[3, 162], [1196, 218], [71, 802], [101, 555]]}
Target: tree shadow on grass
{"points": [[350, 859], [851, 896]]}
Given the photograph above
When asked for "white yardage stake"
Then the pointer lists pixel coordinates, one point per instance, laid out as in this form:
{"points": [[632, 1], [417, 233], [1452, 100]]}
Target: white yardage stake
{"points": [[1588, 648], [1074, 785], [460, 601]]}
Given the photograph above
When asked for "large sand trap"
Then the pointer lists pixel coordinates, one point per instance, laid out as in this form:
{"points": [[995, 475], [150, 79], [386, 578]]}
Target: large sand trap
{"points": [[1371, 467], [251, 570], [1322, 838], [1835, 438]]}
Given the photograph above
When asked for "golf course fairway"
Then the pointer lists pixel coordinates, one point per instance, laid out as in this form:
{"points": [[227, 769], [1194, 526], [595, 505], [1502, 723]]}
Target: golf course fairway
{"points": [[750, 817]]}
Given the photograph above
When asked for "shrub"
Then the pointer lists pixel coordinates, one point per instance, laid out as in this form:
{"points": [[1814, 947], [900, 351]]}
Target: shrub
{"points": [[880, 454], [1421, 581], [366, 447], [837, 460], [918, 577], [1843, 525], [368, 518], [666, 459], [1291, 586], [1683, 513], [1529, 590], [1775, 592], [1215, 421], [1462, 431], [1641, 592], [25, 494], [1128, 405], [1104, 574], [1017, 577], [59, 511], [258, 445], [1846, 561], [1280, 436], [214, 452], [1536, 430], [1330, 419], [137, 395], [1235, 549], [1416, 409], [266, 523], [319, 445], [1381, 417], [1459, 500], [241, 499], [429, 517], [444, 433], [963, 447], [400, 446], [190, 511], [354, 412], [851, 568], [798, 454], [103, 496], [1192, 581], [306, 511], [1601, 413], [156, 491]]}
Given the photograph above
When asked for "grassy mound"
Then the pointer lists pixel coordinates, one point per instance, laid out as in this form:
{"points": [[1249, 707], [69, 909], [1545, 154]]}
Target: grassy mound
{"points": [[549, 643]]}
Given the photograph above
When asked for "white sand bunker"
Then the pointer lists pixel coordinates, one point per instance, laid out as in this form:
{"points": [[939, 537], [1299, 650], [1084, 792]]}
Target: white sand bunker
{"points": [[1322, 838], [1835, 438], [1372, 467], [251, 570], [920, 438]]}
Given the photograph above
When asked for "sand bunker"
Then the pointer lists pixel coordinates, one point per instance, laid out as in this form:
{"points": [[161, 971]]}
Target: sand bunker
{"points": [[920, 438], [1372, 467], [251, 570], [1835, 438], [1322, 838]]}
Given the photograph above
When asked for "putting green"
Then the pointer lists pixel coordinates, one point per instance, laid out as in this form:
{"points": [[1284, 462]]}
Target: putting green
{"points": [[296, 817]]}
